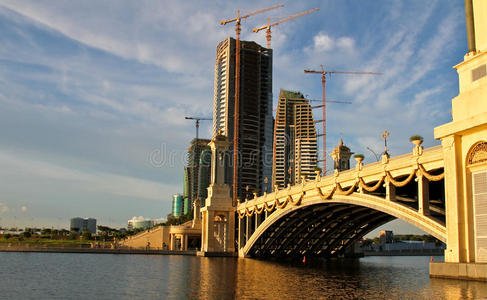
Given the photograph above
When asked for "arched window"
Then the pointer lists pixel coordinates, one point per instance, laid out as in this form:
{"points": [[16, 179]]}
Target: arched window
{"points": [[477, 169]]}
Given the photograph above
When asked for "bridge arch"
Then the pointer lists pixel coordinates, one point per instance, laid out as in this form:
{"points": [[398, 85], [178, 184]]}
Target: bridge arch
{"points": [[334, 223]]}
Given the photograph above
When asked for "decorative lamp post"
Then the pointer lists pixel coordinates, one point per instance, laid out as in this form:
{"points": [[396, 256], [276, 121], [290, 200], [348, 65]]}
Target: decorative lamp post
{"points": [[385, 137]]}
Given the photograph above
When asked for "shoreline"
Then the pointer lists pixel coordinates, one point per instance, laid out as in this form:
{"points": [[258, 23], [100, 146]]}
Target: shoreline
{"points": [[96, 251]]}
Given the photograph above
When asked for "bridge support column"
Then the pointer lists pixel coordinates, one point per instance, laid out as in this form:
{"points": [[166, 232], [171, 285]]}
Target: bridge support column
{"points": [[423, 196], [390, 190], [257, 221], [241, 236], [247, 229]]}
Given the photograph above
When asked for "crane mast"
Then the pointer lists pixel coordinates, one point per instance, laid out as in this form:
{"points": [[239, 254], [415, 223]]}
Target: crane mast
{"points": [[197, 123], [323, 73]]}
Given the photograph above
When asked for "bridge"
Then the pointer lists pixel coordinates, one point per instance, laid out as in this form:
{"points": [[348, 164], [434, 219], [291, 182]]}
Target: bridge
{"points": [[325, 216], [442, 190]]}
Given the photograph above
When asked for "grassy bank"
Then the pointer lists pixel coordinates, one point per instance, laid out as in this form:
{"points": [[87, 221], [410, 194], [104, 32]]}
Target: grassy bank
{"points": [[43, 243]]}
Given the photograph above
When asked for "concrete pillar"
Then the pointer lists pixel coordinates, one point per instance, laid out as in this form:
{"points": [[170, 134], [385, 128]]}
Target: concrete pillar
{"points": [[257, 221], [210, 238], [241, 241], [423, 196], [247, 229], [455, 222], [225, 236], [173, 242], [185, 247]]}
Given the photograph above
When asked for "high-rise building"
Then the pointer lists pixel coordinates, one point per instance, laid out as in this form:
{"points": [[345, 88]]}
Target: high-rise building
{"points": [[295, 146], [82, 224], [255, 110], [204, 175], [191, 172], [177, 205]]}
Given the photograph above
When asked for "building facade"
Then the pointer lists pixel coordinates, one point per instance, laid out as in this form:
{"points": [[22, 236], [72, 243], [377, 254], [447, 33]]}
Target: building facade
{"points": [[177, 205], [80, 225], [295, 145], [341, 157], [142, 223], [191, 176], [255, 110]]}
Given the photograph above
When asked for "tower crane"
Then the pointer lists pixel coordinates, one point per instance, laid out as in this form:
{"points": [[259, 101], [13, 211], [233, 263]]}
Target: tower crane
{"points": [[269, 25], [197, 123], [323, 73], [237, 90]]}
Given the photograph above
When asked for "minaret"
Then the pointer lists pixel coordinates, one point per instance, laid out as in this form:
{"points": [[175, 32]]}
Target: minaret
{"points": [[341, 157]]}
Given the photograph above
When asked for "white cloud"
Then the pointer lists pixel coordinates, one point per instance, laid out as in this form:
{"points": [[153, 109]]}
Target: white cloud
{"points": [[104, 183], [322, 42]]}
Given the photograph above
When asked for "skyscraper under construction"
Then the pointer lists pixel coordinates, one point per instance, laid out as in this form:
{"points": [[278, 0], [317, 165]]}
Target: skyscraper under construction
{"points": [[255, 110], [196, 179], [295, 146]]}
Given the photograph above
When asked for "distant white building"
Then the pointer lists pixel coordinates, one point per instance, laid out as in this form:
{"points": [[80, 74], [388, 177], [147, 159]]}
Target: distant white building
{"points": [[142, 223], [81, 224]]}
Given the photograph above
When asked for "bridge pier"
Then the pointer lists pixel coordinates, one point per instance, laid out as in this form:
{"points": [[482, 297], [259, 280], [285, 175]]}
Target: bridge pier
{"points": [[218, 215], [465, 159]]}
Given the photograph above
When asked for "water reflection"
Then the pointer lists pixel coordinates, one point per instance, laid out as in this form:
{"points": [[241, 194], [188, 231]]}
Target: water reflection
{"points": [[67, 276]]}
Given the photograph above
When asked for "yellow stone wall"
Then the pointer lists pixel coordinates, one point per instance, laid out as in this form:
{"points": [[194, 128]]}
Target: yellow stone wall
{"points": [[480, 19], [156, 237], [469, 126], [473, 94]]}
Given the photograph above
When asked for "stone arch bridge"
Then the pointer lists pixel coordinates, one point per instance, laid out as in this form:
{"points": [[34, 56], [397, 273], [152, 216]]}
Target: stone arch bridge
{"points": [[324, 217]]}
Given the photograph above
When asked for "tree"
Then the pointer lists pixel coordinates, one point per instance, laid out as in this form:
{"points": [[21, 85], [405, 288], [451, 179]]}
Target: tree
{"points": [[86, 235], [46, 231], [73, 236]]}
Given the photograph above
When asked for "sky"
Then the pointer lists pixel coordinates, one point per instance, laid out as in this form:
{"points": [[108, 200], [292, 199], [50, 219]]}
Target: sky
{"points": [[93, 94]]}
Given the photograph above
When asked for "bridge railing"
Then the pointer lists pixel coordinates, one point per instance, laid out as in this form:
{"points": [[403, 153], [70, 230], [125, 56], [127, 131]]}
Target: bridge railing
{"points": [[390, 168]]}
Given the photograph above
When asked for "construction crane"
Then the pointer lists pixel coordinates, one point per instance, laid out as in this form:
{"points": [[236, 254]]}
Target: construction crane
{"points": [[197, 123], [237, 90], [269, 25], [323, 73]]}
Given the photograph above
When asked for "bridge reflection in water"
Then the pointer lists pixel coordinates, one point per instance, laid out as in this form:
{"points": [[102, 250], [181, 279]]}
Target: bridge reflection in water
{"points": [[367, 278], [326, 216]]}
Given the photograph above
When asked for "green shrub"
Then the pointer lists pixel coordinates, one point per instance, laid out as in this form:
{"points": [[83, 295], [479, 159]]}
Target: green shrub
{"points": [[416, 137]]}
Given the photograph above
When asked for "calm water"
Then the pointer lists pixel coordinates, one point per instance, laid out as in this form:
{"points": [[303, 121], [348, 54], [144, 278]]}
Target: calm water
{"points": [[105, 276]]}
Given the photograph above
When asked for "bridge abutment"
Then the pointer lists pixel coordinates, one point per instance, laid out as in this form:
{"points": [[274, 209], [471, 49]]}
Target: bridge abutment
{"points": [[465, 159]]}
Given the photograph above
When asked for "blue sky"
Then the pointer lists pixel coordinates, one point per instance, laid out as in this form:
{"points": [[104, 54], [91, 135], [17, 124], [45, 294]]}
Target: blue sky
{"points": [[91, 90]]}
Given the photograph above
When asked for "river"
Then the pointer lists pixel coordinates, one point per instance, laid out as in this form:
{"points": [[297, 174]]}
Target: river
{"points": [[109, 276]]}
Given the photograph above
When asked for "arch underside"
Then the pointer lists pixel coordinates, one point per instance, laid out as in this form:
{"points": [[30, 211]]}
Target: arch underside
{"points": [[318, 230], [327, 227]]}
